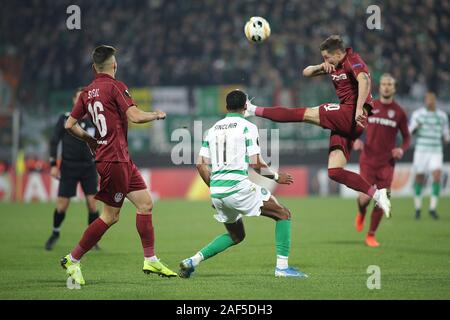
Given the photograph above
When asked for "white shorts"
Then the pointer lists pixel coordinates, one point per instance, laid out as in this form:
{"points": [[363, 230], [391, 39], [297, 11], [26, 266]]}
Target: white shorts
{"points": [[427, 161], [246, 202]]}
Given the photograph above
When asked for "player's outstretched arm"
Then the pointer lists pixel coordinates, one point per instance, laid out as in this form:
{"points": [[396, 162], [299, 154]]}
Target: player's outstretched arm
{"points": [[262, 168], [74, 129], [203, 169], [363, 91], [317, 70], [136, 115]]}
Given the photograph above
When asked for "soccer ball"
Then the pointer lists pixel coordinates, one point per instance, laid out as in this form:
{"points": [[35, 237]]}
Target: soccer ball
{"points": [[257, 29]]}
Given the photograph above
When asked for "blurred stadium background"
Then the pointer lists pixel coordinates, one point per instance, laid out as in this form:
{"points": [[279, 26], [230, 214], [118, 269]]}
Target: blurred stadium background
{"points": [[183, 56]]}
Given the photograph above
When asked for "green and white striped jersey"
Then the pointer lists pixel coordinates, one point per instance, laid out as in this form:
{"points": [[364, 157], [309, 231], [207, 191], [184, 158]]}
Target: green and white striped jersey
{"points": [[432, 127], [228, 144]]}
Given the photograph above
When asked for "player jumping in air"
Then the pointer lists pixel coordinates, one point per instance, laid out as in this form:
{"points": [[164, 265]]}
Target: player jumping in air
{"points": [[346, 120], [109, 105], [430, 125], [379, 151], [230, 146]]}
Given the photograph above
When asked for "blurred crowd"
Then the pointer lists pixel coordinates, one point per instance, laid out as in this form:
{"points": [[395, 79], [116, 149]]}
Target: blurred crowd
{"points": [[180, 42]]}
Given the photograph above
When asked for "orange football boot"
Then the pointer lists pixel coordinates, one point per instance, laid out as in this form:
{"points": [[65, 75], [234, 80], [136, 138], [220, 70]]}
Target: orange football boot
{"points": [[359, 222], [371, 241]]}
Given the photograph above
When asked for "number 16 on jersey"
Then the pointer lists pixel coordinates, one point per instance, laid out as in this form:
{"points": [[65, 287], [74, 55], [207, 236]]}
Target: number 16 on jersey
{"points": [[98, 118]]}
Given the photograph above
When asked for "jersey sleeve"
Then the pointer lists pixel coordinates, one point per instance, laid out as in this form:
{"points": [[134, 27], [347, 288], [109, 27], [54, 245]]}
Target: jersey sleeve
{"points": [[413, 122], [252, 141], [204, 150], [79, 109], [122, 96], [356, 65]]}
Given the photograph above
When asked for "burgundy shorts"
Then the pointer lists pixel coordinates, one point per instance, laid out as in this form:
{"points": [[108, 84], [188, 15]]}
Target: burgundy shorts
{"points": [[117, 179], [379, 176], [340, 119]]}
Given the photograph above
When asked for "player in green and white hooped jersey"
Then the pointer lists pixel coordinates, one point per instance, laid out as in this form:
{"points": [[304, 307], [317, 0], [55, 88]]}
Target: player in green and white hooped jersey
{"points": [[230, 146], [431, 128]]}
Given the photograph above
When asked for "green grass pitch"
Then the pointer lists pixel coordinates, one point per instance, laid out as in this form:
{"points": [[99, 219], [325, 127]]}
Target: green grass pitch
{"points": [[414, 256]]}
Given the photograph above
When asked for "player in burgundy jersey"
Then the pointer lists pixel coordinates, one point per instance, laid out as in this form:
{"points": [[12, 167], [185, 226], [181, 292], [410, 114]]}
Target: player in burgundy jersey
{"points": [[379, 151], [346, 120], [109, 105]]}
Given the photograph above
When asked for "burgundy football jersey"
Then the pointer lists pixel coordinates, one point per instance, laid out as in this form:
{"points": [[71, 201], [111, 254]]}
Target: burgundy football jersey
{"points": [[106, 101], [344, 78], [381, 133]]}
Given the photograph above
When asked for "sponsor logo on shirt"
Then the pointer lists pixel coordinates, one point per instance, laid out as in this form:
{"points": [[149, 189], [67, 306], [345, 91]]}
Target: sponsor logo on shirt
{"points": [[383, 122], [102, 141], [342, 76]]}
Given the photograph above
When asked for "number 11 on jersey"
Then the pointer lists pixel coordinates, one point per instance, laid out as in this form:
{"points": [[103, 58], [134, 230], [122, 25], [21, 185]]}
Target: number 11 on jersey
{"points": [[221, 150]]}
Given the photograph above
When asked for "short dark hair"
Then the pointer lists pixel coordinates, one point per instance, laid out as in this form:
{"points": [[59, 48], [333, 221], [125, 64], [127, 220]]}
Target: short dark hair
{"points": [[102, 53], [236, 100], [332, 43]]}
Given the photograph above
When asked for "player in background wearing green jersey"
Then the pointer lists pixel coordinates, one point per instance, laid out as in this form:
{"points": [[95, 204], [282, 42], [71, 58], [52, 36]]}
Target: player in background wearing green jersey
{"points": [[230, 146], [430, 125]]}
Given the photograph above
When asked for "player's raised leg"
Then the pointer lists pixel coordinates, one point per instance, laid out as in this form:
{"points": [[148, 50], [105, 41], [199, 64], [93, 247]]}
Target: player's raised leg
{"points": [[62, 203], [91, 236], [336, 172], [142, 200], [282, 216], [235, 235], [283, 114]]}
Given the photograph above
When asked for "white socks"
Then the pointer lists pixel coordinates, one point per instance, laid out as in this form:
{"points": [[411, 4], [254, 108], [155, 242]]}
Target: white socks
{"points": [[282, 262], [151, 259], [73, 259], [418, 202], [197, 258], [433, 202]]}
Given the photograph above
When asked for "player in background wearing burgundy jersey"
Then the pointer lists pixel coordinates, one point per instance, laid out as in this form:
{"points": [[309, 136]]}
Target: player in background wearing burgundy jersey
{"points": [[109, 105], [379, 151], [346, 120]]}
